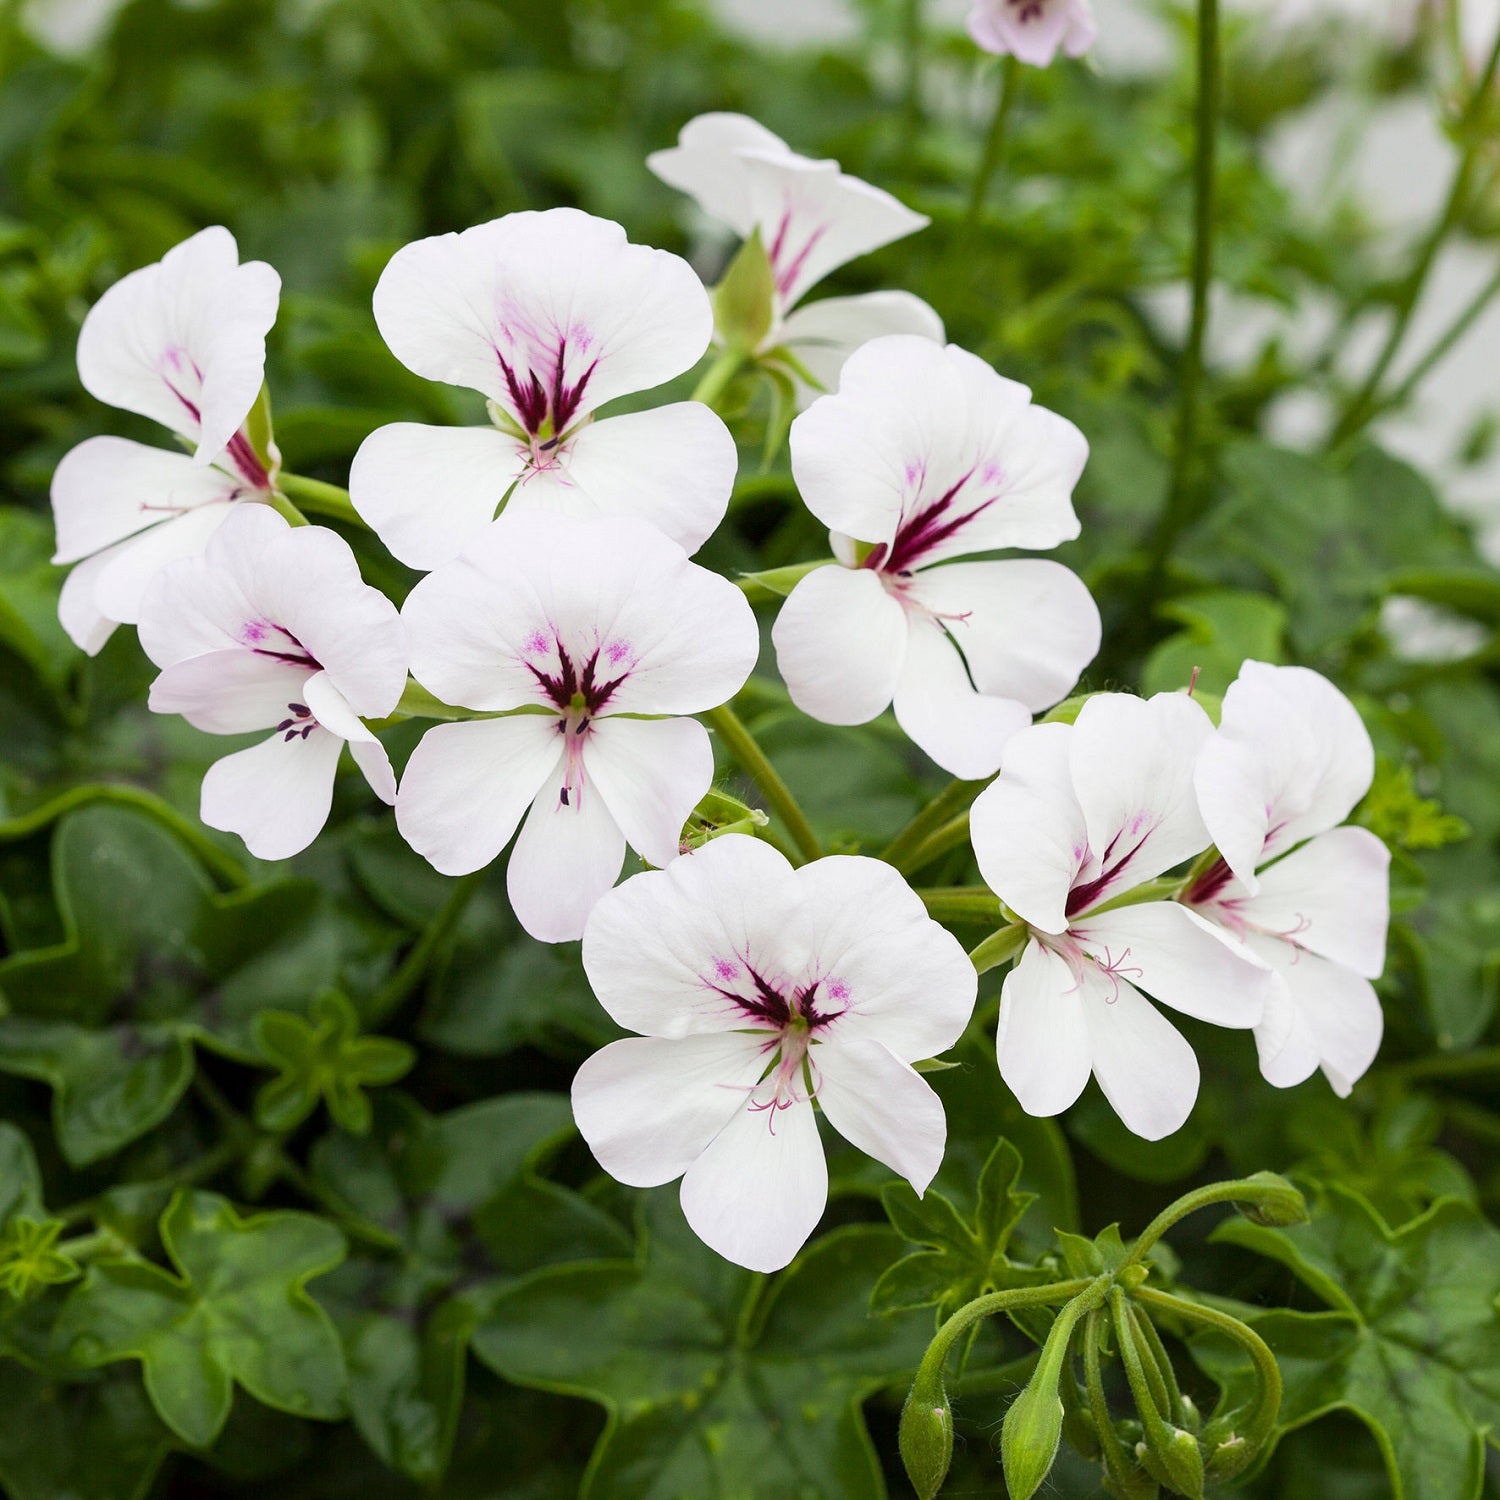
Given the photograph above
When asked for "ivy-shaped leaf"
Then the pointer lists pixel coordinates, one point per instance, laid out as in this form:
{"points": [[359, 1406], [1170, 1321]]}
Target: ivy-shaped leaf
{"points": [[1411, 1345], [235, 1308], [717, 1384], [152, 961], [461, 1195]]}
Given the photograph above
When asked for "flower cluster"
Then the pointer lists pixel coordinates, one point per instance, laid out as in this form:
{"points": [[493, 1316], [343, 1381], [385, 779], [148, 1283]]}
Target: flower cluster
{"points": [[564, 641]]}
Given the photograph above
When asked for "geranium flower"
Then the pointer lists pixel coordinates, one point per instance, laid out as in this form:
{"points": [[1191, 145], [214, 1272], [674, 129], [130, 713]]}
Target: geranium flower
{"points": [[184, 343], [272, 628], [926, 455], [1033, 31], [812, 219], [550, 315], [1081, 815], [590, 637], [758, 988], [1288, 762]]}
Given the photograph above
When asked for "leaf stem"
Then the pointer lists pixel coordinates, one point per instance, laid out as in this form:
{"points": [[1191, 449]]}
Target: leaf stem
{"points": [[951, 835], [953, 798], [717, 377], [320, 498], [753, 762], [1000, 947], [1434, 356], [1480, 1061], [995, 141], [413, 968], [969, 903]]}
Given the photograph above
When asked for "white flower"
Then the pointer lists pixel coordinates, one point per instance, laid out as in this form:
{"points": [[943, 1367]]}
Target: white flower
{"points": [[184, 343], [1080, 815], [757, 988], [926, 455], [591, 637], [812, 219], [549, 315], [1033, 31], [272, 628], [1287, 764]]}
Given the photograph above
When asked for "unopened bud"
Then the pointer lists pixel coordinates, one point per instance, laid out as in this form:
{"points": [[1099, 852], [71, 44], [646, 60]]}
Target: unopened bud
{"points": [[1030, 1436], [1274, 1201], [926, 1436]]}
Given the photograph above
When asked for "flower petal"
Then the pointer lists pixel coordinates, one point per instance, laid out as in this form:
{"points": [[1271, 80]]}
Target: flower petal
{"points": [[1042, 1042], [823, 334], [758, 1191], [275, 795], [1132, 762], [1033, 34], [228, 692], [427, 492], [1177, 957], [905, 980], [568, 854], [184, 341], [1027, 627], [88, 627], [109, 488], [560, 299], [649, 1107], [124, 581], [1284, 1042], [840, 643], [881, 1105], [656, 946], [1143, 1063], [1027, 827], [705, 163], [467, 786], [964, 731], [651, 774], [673, 466], [375, 766]]}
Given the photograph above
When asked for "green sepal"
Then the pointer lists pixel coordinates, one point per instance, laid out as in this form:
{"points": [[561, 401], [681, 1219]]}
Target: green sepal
{"points": [[745, 298]]}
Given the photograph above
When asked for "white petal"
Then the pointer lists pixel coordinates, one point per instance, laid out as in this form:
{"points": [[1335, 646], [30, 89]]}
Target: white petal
{"points": [[1033, 35], [427, 492], [648, 1107], [275, 795], [229, 692], [1144, 1065], [1340, 1007], [557, 295], [1042, 1042], [962, 730], [88, 627], [123, 582], [656, 946], [184, 341], [1176, 956], [673, 466], [904, 980], [1289, 760], [1332, 896], [466, 787], [375, 765], [758, 1191], [823, 334], [651, 774], [109, 488], [840, 643], [1027, 627], [1027, 827], [705, 163], [567, 856], [882, 1106], [1284, 1042], [1132, 762], [929, 452]]}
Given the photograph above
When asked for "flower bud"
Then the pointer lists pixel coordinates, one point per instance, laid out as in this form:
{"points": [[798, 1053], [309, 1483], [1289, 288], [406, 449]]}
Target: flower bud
{"points": [[1030, 1437], [1273, 1202], [926, 1436]]}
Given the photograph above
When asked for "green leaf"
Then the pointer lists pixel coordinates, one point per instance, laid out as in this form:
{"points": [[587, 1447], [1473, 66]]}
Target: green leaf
{"points": [[462, 1194], [1222, 629], [1411, 1346], [1392, 810], [709, 1390], [153, 959], [188, 1326], [29, 586]]}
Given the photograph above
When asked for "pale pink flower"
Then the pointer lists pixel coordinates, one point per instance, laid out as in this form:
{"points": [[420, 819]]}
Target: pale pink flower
{"points": [[1033, 31]]}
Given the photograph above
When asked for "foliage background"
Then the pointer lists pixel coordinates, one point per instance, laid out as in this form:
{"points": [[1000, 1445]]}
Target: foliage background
{"points": [[144, 952]]}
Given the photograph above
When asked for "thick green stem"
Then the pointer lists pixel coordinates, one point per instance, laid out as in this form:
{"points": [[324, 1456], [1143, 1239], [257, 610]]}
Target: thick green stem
{"points": [[413, 968], [1182, 494], [994, 144], [1274, 1195], [717, 377], [954, 798], [752, 760], [952, 835], [1365, 402], [971, 903], [1119, 1464], [287, 511], [999, 947], [319, 498]]}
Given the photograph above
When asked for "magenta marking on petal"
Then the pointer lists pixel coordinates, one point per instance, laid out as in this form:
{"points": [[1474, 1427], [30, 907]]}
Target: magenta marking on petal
{"points": [[726, 969], [568, 683], [299, 656], [536, 644], [926, 529]]}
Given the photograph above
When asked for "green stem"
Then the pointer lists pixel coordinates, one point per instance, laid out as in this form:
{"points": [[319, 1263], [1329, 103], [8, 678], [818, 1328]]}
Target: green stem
{"points": [[777, 583], [413, 968], [287, 511], [1448, 1065], [973, 903], [999, 947], [1118, 1463], [951, 835], [994, 143], [983, 1307], [752, 760], [1439, 351], [353, 1224], [954, 797], [717, 377], [319, 498], [1242, 1190], [203, 1169], [1365, 401], [1182, 493]]}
